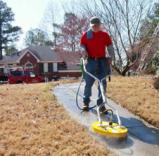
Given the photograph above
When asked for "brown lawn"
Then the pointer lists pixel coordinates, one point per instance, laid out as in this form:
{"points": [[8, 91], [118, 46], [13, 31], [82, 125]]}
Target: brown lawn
{"points": [[32, 123], [138, 95]]}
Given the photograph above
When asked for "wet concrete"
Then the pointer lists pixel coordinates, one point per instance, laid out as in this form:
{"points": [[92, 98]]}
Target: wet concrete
{"points": [[143, 139]]}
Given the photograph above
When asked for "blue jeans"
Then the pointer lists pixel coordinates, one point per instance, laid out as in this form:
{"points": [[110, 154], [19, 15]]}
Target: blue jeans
{"points": [[100, 68]]}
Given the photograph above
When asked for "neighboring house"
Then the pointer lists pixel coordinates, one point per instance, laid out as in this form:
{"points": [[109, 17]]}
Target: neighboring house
{"points": [[43, 60]]}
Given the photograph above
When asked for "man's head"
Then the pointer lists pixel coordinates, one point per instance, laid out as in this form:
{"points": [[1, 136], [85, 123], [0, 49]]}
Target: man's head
{"points": [[95, 24]]}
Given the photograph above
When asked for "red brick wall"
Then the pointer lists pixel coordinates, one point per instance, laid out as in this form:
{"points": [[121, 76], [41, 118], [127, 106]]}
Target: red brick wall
{"points": [[30, 59], [69, 74]]}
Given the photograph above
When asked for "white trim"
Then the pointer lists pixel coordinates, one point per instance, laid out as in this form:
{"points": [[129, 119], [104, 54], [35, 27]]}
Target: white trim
{"points": [[55, 67], [67, 71], [50, 61], [25, 52], [45, 67]]}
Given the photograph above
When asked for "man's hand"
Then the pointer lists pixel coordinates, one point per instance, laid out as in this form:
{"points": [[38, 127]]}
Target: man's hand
{"points": [[109, 60], [84, 55]]}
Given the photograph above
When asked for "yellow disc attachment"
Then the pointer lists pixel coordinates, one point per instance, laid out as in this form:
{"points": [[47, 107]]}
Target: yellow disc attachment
{"points": [[114, 130]]}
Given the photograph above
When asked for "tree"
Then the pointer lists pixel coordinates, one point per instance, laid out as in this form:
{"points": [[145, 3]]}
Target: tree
{"points": [[153, 64], [49, 23], [37, 37], [8, 33], [66, 35], [10, 50], [149, 35], [150, 22], [123, 20], [72, 29]]}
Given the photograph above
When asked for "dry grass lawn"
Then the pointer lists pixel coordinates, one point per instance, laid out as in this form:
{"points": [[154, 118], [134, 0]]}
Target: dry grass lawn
{"points": [[32, 123], [138, 95]]}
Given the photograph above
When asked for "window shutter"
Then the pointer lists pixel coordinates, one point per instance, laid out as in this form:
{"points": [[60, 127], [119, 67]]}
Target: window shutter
{"points": [[41, 68]]}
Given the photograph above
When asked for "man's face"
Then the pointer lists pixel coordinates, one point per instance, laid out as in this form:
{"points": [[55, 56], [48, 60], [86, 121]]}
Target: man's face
{"points": [[96, 27]]}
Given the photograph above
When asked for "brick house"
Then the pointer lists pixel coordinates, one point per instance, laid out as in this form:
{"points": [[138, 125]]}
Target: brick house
{"points": [[44, 61]]}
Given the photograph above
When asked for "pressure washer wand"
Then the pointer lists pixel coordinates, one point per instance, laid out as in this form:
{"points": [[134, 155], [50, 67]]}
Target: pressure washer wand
{"points": [[84, 70]]}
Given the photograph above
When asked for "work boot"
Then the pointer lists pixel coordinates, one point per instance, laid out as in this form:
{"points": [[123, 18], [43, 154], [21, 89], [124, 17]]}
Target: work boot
{"points": [[85, 107], [103, 110]]}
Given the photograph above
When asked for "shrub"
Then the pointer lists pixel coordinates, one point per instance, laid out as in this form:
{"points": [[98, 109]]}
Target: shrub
{"points": [[153, 66], [156, 83]]}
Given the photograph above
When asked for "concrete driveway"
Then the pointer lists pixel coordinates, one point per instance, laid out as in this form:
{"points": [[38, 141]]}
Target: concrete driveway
{"points": [[143, 139]]}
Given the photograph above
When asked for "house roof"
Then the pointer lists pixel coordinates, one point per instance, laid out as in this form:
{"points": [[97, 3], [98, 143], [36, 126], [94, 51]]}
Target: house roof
{"points": [[9, 59], [70, 57], [44, 54]]}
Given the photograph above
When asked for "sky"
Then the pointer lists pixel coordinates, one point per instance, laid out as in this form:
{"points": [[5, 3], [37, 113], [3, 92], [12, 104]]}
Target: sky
{"points": [[30, 14]]}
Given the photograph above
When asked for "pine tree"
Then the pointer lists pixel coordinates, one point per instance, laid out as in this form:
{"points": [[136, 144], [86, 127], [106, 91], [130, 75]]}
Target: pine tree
{"points": [[8, 32]]}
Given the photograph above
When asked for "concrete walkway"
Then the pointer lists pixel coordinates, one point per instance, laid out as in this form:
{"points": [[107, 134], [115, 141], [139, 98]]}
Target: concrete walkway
{"points": [[143, 139]]}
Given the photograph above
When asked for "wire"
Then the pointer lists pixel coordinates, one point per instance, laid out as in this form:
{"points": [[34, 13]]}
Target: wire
{"points": [[83, 68], [77, 95]]}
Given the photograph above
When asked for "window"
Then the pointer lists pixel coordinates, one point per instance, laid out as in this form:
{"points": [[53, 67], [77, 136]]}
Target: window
{"points": [[62, 66], [1, 70], [17, 73], [32, 74], [28, 65], [10, 65]]}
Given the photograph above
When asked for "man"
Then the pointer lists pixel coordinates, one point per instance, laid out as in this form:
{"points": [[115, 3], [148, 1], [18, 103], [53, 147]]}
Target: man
{"points": [[98, 49]]}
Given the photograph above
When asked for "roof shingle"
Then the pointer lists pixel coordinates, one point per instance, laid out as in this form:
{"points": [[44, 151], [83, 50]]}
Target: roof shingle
{"points": [[45, 54]]}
